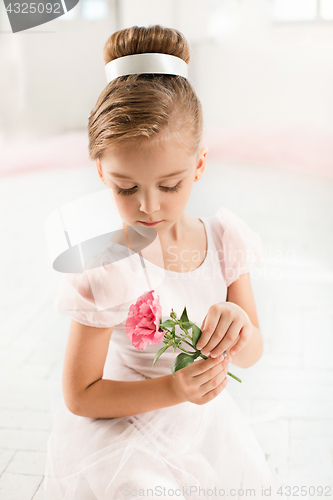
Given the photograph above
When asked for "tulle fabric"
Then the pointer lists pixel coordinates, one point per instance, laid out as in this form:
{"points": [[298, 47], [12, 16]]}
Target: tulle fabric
{"points": [[101, 295], [190, 450], [187, 449]]}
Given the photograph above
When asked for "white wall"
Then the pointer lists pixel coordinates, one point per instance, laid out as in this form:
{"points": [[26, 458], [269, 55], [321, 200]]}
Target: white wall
{"points": [[266, 89], [263, 72], [51, 75]]}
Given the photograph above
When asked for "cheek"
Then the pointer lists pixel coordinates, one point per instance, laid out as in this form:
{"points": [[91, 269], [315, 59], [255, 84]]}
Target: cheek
{"points": [[183, 196], [124, 201], [124, 205]]}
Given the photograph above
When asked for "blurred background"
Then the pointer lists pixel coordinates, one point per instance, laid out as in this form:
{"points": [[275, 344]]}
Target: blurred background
{"points": [[263, 70]]}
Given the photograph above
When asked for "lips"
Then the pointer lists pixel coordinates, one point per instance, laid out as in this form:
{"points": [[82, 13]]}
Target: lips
{"points": [[149, 223]]}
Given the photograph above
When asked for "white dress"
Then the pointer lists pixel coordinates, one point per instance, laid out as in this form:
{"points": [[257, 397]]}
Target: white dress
{"points": [[183, 451]]}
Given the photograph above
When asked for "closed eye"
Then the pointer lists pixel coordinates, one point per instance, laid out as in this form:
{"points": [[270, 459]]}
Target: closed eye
{"points": [[125, 192]]}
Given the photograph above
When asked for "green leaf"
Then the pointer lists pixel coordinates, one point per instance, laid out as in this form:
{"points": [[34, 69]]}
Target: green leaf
{"points": [[187, 324], [181, 361], [184, 318], [196, 334], [159, 352], [167, 323]]}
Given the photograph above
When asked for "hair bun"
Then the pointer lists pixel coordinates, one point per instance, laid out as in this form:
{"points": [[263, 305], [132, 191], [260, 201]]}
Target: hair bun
{"points": [[141, 39], [139, 106]]}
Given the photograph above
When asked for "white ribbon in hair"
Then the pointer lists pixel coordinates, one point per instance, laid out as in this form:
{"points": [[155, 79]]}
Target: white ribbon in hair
{"points": [[146, 63]]}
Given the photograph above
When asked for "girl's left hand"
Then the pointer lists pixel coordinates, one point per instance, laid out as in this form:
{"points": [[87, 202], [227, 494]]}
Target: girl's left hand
{"points": [[226, 326]]}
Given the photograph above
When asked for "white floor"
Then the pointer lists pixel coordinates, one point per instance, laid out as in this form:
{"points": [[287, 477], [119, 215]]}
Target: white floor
{"points": [[287, 395]]}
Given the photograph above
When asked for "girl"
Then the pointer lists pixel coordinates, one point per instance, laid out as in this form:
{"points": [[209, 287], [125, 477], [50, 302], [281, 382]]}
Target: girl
{"points": [[126, 429]]}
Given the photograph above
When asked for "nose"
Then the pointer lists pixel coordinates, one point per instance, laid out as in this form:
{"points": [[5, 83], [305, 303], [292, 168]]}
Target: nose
{"points": [[149, 203]]}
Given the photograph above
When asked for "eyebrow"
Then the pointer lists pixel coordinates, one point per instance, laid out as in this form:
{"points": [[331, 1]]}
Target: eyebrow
{"points": [[116, 174]]}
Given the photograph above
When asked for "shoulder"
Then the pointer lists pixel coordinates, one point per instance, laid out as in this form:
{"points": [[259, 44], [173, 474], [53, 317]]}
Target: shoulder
{"points": [[225, 218], [226, 223], [238, 246]]}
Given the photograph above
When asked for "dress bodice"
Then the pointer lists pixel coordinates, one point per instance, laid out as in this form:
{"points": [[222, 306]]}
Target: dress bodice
{"points": [[197, 290], [101, 297]]}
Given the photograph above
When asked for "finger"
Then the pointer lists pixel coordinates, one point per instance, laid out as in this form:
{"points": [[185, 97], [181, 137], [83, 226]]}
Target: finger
{"points": [[229, 339], [208, 326], [217, 350], [214, 371], [244, 337], [220, 331], [199, 367], [215, 392], [215, 382]]}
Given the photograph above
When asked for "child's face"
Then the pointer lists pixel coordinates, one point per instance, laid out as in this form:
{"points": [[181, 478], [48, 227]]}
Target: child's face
{"points": [[144, 194]]}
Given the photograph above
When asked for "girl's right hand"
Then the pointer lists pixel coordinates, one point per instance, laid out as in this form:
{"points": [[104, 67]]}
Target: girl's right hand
{"points": [[201, 381]]}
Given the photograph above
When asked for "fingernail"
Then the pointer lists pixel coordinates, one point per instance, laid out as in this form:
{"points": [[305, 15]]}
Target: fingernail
{"points": [[213, 355], [232, 352]]}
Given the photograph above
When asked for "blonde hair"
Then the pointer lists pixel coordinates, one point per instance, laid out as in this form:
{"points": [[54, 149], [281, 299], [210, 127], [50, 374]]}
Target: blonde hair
{"points": [[141, 106]]}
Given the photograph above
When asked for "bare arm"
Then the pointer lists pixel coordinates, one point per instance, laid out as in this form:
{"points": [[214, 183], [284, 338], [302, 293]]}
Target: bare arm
{"points": [[87, 394], [252, 352], [240, 293], [113, 398]]}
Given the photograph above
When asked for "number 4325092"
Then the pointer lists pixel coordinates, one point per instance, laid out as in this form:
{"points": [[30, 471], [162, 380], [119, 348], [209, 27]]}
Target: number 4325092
{"points": [[34, 8]]}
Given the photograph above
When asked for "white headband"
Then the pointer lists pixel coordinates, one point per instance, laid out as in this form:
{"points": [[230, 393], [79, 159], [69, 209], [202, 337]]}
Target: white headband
{"points": [[145, 63]]}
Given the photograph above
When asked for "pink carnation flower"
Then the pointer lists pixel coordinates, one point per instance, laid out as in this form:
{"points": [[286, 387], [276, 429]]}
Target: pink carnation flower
{"points": [[143, 321]]}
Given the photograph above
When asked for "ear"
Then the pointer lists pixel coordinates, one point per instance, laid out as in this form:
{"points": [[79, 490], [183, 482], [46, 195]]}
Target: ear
{"points": [[201, 162], [204, 152], [99, 168]]}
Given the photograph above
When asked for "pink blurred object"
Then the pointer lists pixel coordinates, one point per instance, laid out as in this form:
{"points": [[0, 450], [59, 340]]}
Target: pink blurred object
{"points": [[44, 153], [302, 149], [143, 321]]}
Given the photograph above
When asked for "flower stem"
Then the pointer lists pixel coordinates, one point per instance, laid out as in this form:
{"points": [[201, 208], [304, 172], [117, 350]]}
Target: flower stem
{"points": [[234, 376], [191, 345], [181, 326], [188, 352]]}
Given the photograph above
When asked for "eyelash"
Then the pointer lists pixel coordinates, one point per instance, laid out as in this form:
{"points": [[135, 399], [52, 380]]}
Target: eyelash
{"points": [[130, 191]]}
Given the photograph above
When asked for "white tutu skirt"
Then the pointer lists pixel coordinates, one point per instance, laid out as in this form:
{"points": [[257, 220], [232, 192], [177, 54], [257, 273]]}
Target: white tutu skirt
{"points": [[185, 451]]}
